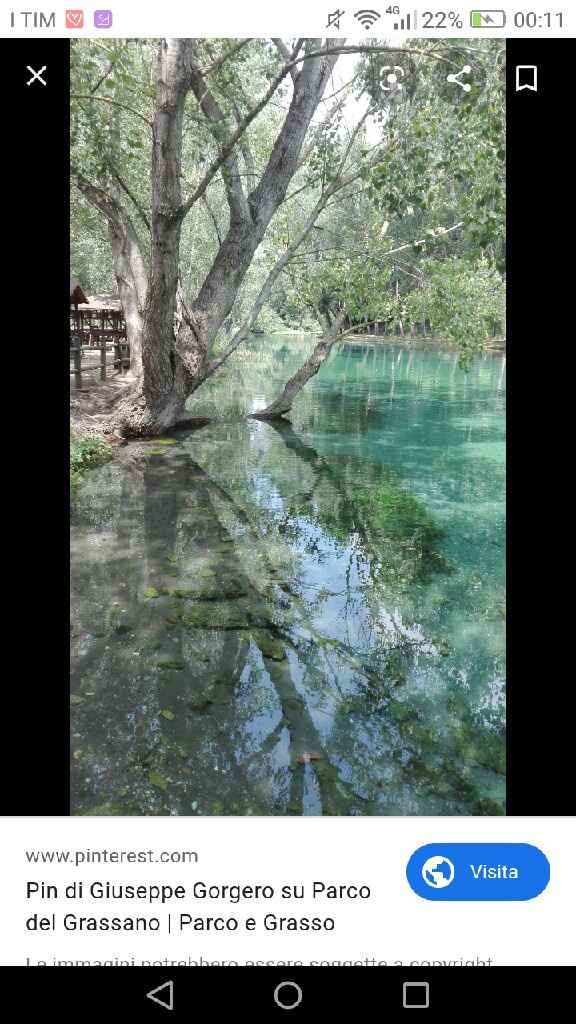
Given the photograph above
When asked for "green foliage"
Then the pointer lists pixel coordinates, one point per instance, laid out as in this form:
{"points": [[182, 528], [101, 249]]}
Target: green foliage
{"points": [[398, 514], [269, 321], [85, 453], [462, 300], [324, 163], [432, 157], [393, 526], [446, 149]]}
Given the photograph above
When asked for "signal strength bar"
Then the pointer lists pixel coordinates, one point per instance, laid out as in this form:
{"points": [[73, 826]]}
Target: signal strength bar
{"points": [[407, 23]]}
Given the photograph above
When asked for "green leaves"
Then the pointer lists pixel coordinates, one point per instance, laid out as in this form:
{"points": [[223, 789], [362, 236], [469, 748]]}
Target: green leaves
{"points": [[85, 453], [462, 300], [155, 779]]}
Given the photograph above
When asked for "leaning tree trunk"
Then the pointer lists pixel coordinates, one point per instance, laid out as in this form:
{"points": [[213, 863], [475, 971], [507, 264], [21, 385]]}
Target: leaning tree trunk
{"points": [[283, 403], [249, 224]]}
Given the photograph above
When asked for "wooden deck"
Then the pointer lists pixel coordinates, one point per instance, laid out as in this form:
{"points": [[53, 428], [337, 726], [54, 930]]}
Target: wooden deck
{"points": [[95, 333]]}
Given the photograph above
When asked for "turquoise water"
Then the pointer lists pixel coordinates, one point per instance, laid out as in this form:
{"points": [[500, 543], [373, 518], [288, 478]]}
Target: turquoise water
{"points": [[302, 619]]}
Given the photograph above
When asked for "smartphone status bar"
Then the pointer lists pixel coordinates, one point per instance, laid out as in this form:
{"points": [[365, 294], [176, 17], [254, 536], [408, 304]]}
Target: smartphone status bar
{"points": [[126, 18]]}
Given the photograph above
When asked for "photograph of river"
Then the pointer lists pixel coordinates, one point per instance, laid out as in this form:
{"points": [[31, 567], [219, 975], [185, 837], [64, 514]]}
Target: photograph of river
{"points": [[302, 617], [287, 450]]}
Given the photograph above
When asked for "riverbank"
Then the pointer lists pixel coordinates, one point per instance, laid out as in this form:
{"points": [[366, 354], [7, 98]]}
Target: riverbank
{"points": [[86, 453], [410, 341], [92, 439]]}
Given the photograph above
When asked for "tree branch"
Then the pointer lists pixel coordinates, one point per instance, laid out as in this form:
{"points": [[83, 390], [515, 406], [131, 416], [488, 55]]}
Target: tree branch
{"points": [[216, 119], [131, 196], [213, 218], [211, 68], [286, 70], [383, 253], [103, 78], [113, 103], [288, 57]]}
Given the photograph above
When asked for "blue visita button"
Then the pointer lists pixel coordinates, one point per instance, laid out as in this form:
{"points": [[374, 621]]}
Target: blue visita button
{"points": [[478, 871]]}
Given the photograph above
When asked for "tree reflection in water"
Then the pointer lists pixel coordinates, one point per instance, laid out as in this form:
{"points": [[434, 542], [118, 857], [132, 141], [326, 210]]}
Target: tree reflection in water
{"points": [[217, 643]]}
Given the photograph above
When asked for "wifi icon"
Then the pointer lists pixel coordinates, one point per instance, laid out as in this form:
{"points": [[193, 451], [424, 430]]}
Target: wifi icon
{"points": [[367, 18]]}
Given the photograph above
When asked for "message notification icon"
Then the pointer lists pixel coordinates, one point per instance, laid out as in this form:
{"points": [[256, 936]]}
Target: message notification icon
{"points": [[102, 19]]}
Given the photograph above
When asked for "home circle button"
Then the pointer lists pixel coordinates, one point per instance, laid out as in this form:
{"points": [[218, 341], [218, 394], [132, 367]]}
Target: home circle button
{"points": [[287, 995]]}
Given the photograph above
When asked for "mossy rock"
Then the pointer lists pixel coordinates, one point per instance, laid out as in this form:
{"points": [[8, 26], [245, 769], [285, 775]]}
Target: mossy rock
{"points": [[109, 811], [269, 646], [171, 664], [215, 615], [485, 806], [115, 619], [151, 593], [212, 589], [404, 713], [200, 703], [152, 644], [158, 780]]}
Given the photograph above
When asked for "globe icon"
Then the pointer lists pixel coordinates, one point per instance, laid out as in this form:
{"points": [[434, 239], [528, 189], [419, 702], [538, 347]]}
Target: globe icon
{"points": [[438, 872]]}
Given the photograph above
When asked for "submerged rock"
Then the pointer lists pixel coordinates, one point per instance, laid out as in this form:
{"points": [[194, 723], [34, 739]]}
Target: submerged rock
{"points": [[109, 810], [269, 645], [211, 589], [215, 615], [171, 664]]}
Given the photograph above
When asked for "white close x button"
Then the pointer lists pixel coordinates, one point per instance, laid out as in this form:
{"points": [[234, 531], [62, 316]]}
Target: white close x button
{"points": [[36, 75]]}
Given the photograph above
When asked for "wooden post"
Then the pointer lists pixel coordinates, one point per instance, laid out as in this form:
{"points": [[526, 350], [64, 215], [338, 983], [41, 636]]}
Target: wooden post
{"points": [[117, 355], [102, 357], [78, 363]]}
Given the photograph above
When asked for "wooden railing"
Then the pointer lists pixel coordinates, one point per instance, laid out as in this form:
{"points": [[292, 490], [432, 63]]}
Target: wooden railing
{"points": [[104, 338]]}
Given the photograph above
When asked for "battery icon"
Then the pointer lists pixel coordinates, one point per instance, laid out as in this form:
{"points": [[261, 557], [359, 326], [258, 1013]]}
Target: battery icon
{"points": [[487, 19]]}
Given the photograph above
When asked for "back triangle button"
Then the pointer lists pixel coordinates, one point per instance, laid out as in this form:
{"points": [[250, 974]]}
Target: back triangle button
{"points": [[166, 999]]}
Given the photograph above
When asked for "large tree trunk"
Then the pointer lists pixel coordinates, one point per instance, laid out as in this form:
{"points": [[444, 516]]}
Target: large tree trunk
{"points": [[283, 404], [175, 365], [172, 361], [158, 400]]}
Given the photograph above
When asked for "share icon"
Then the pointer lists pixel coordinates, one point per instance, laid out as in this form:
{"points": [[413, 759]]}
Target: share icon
{"points": [[456, 78]]}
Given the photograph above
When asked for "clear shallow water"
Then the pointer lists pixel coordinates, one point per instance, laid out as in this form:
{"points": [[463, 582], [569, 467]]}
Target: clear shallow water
{"points": [[249, 596]]}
